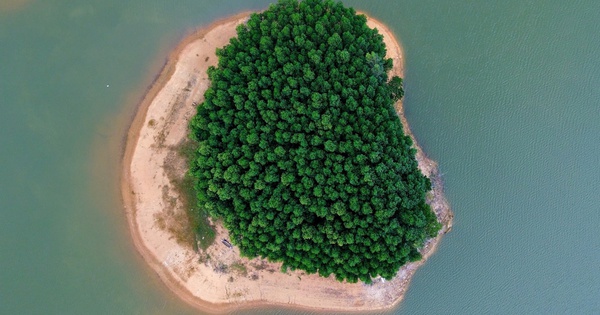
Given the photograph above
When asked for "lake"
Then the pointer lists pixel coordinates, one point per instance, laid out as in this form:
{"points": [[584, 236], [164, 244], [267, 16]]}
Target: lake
{"points": [[505, 95]]}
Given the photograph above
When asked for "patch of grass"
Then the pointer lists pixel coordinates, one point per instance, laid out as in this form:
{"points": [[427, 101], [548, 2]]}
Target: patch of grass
{"points": [[239, 268], [174, 220], [160, 221], [259, 265], [160, 138], [187, 149], [199, 227], [203, 258], [199, 218], [205, 231]]}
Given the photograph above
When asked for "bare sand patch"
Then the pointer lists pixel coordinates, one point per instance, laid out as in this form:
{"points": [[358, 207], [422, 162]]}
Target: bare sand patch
{"points": [[218, 279]]}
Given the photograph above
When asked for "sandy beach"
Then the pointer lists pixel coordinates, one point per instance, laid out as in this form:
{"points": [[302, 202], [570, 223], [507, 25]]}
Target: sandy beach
{"points": [[159, 126]]}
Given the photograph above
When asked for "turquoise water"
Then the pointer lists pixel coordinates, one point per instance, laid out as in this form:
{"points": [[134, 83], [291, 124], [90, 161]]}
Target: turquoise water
{"points": [[505, 96]]}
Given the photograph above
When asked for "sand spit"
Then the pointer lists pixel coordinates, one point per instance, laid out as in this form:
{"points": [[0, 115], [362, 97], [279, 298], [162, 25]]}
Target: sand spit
{"points": [[219, 280]]}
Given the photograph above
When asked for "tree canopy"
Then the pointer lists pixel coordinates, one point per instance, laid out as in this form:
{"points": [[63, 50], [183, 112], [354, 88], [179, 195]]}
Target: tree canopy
{"points": [[301, 153]]}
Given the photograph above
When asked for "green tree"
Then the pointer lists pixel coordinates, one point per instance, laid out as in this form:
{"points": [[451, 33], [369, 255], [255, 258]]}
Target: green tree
{"points": [[300, 151]]}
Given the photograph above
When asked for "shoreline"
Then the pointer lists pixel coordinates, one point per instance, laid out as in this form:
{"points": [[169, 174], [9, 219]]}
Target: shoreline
{"points": [[156, 128]]}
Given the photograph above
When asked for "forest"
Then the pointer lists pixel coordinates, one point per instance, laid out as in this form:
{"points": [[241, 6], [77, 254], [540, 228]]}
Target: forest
{"points": [[301, 153]]}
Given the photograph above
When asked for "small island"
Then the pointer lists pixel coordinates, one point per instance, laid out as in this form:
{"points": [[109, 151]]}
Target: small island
{"points": [[306, 187]]}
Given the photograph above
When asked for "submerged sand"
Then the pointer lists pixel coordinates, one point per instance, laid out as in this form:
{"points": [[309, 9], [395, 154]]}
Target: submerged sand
{"points": [[13, 5], [159, 126]]}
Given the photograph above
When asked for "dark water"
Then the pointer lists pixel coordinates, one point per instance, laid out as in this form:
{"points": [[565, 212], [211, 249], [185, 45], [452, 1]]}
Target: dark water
{"points": [[505, 95]]}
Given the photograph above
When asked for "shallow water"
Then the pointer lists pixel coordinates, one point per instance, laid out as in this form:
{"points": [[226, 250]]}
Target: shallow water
{"points": [[503, 95]]}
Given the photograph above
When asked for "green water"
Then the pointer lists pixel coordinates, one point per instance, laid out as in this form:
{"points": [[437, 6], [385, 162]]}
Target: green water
{"points": [[505, 95]]}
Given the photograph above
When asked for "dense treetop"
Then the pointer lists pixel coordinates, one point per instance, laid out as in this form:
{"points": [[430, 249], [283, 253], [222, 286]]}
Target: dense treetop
{"points": [[301, 153]]}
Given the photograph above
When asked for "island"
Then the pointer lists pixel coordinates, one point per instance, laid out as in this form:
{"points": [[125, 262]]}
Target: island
{"points": [[186, 242]]}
